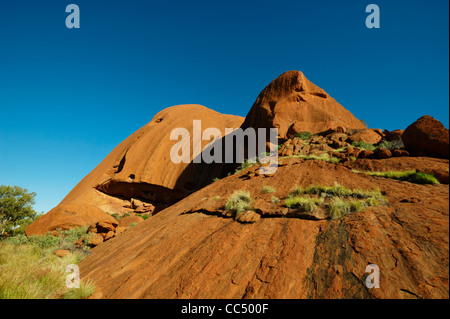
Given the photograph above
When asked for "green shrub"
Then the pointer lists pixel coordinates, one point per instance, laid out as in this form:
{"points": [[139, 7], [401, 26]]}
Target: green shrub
{"points": [[268, 189], [116, 216], [324, 157], [364, 145], [408, 176], [143, 216], [274, 200], [65, 240], [392, 145], [239, 202], [303, 135]]}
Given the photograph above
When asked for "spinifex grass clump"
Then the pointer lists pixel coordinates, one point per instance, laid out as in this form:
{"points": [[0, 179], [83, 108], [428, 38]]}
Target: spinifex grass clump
{"points": [[337, 200], [86, 289], [306, 204], [408, 176], [303, 135], [323, 157], [239, 202], [30, 270], [268, 189]]}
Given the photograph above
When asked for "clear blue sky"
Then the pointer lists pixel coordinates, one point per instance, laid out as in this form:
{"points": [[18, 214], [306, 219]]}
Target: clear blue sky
{"points": [[69, 96]]}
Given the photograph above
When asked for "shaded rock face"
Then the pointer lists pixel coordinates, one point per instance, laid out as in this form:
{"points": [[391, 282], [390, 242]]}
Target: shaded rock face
{"points": [[292, 103], [427, 137], [140, 168], [191, 251]]}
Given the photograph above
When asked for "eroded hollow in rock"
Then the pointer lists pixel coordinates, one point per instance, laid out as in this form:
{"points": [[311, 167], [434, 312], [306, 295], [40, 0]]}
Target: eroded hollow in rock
{"points": [[159, 196]]}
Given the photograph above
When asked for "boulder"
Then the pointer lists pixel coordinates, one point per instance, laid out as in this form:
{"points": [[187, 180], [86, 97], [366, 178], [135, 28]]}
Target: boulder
{"points": [[109, 235], [324, 148], [399, 153], [305, 150], [427, 136], [106, 226], [356, 152], [339, 137], [383, 153], [95, 240], [367, 136], [338, 144], [378, 131], [366, 154], [349, 150], [61, 253], [248, 217], [393, 135]]}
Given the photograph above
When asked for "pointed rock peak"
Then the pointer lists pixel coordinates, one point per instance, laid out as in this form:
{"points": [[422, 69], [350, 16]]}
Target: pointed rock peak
{"points": [[288, 84], [292, 104]]}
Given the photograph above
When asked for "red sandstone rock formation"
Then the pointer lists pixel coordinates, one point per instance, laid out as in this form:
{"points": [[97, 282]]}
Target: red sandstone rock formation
{"points": [[292, 103], [140, 168], [427, 136]]}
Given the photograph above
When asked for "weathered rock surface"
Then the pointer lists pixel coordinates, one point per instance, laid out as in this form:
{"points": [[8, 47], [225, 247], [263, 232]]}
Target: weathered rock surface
{"points": [[291, 102], [200, 253], [126, 221], [68, 216], [428, 137]]}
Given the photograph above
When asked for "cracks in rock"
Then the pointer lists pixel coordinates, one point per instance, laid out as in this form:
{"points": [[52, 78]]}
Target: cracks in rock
{"points": [[411, 293], [396, 220], [318, 94], [396, 262], [225, 214], [261, 280]]}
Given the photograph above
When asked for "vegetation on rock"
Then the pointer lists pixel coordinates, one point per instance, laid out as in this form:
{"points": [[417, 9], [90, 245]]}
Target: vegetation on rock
{"points": [[337, 200], [408, 176], [239, 202]]}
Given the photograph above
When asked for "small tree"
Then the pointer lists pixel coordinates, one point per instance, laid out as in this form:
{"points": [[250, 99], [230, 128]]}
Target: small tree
{"points": [[15, 207]]}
